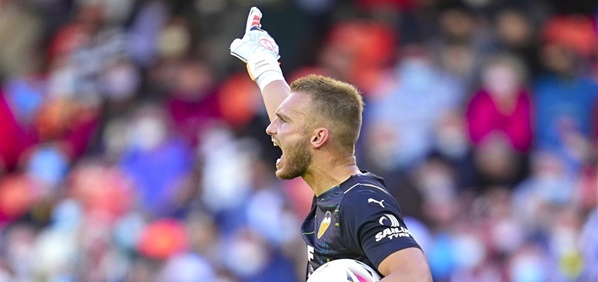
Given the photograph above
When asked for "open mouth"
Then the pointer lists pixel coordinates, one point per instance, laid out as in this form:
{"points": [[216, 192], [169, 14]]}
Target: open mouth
{"points": [[279, 160]]}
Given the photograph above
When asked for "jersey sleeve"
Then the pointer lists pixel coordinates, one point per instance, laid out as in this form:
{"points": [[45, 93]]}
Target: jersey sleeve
{"points": [[372, 220]]}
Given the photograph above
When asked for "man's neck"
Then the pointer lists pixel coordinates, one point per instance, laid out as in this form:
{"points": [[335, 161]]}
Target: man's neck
{"points": [[323, 176]]}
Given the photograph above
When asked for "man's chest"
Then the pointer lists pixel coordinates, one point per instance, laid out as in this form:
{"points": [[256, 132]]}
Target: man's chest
{"points": [[322, 226], [324, 232]]}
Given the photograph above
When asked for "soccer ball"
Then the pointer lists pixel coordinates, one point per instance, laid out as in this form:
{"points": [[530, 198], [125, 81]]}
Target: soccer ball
{"points": [[344, 270]]}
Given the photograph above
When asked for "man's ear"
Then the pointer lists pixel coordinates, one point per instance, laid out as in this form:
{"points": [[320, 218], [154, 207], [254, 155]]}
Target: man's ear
{"points": [[319, 137]]}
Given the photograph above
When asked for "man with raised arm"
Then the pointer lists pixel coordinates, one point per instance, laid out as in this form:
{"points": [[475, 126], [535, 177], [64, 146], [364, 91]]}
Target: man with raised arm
{"points": [[316, 122]]}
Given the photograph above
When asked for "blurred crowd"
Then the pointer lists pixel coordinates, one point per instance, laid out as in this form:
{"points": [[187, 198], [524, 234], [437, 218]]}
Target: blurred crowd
{"points": [[133, 146]]}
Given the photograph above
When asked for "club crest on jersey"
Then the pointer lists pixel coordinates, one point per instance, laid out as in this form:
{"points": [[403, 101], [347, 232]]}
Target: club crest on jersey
{"points": [[324, 224]]}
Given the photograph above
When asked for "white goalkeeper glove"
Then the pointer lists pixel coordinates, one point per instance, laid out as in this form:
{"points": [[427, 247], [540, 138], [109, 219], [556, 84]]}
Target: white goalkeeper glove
{"points": [[258, 50]]}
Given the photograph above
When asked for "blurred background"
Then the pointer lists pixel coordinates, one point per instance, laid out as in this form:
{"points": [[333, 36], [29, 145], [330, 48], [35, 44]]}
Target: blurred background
{"points": [[133, 146]]}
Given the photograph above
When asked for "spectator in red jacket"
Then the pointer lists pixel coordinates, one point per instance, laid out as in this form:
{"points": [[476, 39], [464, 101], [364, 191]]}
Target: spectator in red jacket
{"points": [[501, 107]]}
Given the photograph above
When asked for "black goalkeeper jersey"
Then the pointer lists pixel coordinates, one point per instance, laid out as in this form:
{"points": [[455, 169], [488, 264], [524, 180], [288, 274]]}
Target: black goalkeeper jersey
{"points": [[357, 219]]}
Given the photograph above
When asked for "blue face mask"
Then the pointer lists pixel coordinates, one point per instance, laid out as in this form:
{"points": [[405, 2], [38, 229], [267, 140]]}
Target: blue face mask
{"points": [[67, 215], [147, 133], [417, 74], [528, 269], [25, 97], [48, 164], [555, 190]]}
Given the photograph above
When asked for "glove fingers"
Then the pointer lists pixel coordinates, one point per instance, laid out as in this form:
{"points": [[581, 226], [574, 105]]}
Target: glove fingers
{"points": [[235, 44], [254, 19], [235, 48]]}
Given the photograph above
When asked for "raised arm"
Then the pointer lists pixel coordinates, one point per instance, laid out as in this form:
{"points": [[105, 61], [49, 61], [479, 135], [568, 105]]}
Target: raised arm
{"points": [[258, 50]]}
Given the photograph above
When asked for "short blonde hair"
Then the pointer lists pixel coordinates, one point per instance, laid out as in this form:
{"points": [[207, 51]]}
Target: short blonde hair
{"points": [[336, 102]]}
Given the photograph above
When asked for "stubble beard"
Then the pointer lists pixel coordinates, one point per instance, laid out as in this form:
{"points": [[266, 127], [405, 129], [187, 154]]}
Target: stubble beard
{"points": [[297, 160]]}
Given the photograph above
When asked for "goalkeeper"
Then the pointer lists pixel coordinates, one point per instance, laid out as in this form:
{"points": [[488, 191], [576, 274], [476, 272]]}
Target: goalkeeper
{"points": [[316, 122]]}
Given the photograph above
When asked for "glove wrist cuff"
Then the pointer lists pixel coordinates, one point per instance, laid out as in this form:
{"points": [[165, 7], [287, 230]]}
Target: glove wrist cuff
{"points": [[264, 69], [268, 77]]}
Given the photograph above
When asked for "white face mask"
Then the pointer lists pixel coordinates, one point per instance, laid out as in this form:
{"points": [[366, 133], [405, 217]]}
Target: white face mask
{"points": [[147, 133], [528, 267], [500, 80], [438, 186], [452, 141], [246, 257], [469, 250], [121, 81]]}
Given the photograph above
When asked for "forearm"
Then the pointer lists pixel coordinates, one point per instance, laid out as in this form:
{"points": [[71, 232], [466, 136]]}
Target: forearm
{"points": [[273, 94], [258, 50], [408, 265]]}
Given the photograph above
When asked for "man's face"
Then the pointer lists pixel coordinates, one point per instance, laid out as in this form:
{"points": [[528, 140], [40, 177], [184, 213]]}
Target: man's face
{"points": [[289, 132]]}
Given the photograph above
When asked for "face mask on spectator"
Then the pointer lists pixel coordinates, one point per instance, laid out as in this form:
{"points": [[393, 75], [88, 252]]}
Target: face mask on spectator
{"points": [[147, 133], [121, 81], [528, 267], [500, 81], [246, 257]]}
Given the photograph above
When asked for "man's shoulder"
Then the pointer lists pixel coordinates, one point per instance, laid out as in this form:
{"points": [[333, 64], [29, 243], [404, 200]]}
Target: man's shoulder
{"points": [[361, 186]]}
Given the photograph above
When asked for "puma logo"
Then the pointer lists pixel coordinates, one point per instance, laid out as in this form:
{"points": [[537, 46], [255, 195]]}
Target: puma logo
{"points": [[370, 200]]}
